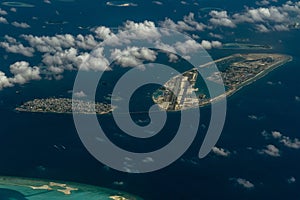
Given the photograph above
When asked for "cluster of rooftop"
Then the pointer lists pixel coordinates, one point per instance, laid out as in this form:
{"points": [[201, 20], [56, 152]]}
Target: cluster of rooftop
{"points": [[64, 105]]}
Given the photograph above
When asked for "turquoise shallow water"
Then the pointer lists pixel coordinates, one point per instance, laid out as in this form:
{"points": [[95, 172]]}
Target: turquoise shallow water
{"points": [[13, 188]]}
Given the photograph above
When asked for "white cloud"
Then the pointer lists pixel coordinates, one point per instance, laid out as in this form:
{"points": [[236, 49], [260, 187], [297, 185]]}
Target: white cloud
{"points": [[3, 12], [173, 58], [13, 46], [290, 143], [262, 28], [188, 46], [87, 42], [220, 18], [285, 140], [264, 19], [184, 2], [262, 3], [139, 31], [13, 10], [187, 24], [20, 24], [67, 59], [276, 134], [102, 32], [218, 36], [243, 182], [4, 81], [281, 27], [132, 56], [148, 160], [157, 2], [254, 15], [24, 73], [93, 61], [291, 180], [270, 150], [208, 45], [220, 152], [3, 20], [190, 19], [216, 44], [80, 94], [46, 44]]}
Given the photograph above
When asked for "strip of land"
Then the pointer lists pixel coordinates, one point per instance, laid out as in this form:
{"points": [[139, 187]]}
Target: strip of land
{"points": [[235, 72], [64, 105]]}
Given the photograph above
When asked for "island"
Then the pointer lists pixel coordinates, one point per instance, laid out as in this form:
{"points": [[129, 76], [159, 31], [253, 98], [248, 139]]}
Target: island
{"points": [[235, 71], [29, 189], [17, 4], [64, 105], [245, 46]]}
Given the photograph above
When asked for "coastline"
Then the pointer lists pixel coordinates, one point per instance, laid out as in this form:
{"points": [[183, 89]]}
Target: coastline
{"points": [[230, 92], [250, 81]]}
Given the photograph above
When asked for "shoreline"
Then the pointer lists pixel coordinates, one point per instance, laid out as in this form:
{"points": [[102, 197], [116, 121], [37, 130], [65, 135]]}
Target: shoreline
{"points": [[232, 91], [250, 81]]}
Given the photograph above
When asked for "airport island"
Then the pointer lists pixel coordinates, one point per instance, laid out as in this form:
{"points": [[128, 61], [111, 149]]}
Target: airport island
{"points": [[64, 105], [235, 71]]}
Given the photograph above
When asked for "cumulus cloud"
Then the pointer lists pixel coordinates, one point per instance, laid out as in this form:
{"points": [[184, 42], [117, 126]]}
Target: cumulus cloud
{"points": [[243, 182], [190, 19], [94, 61], [188, 46], [3, 20], [187, 24], [262, 3], [293, 143], [290, 143], [46, 44], [80, 94], [63, 52], [12, 46], [63, 59], [264, 19], [220, 18], [218, 36], [262, 28], [133, 56], [24, 73], [4, 81], [3, 12], [220, 152], [291, 180], [270, 150], [281, 27], [179, 26], [208, 45], [262, 15], [146, 30], [20, 24], [87, 42]]}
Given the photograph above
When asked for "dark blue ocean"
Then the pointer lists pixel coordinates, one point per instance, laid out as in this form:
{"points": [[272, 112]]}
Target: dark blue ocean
{"points": [[27, 145]]}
